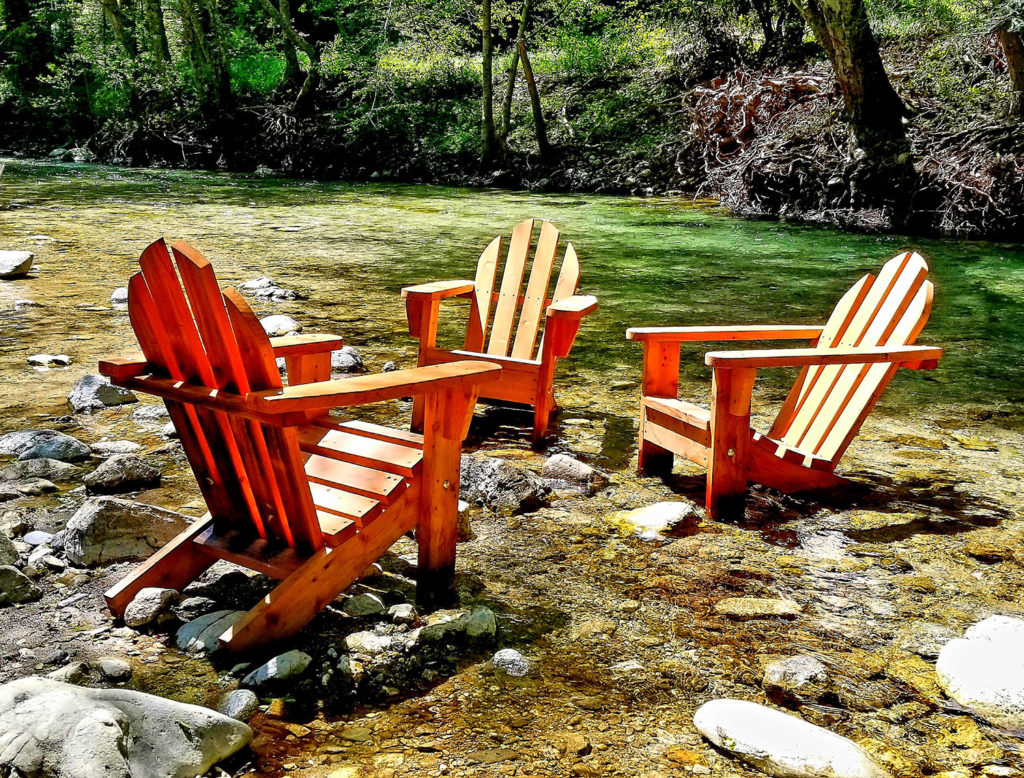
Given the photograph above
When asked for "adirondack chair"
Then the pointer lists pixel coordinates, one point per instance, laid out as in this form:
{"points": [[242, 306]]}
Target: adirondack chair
{"points": [[528, 369], [292, 493], [853, 357]]}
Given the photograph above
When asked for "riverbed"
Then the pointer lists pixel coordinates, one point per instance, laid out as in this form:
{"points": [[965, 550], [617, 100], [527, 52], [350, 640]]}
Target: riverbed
{"points": [[622, 632]]}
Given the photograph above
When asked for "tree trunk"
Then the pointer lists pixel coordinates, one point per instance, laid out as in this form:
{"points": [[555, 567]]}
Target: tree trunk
{"points": [[538, 116], [1013, 46], [510, 87], [157, 32], [201, 27], [221, 76], [292, 70], [881, 172], [304, 99], [488, 150], [119, 26]]}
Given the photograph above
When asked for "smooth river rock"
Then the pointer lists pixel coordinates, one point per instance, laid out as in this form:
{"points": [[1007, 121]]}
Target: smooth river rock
{"points": [[202, 635], [59, 446], [14, 264], [108, 529], [747, 608], [984, 670], [651, 521], [780, 744], [121, 473], [50, 729], [280, 668], [279, 324], [500, 485], [149, 605], [562, 467], [51, 469]]}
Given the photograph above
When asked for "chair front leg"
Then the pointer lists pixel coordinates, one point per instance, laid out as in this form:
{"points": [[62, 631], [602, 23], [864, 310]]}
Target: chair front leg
{"points": [[422, 314], [446, 422], [730, 438]]}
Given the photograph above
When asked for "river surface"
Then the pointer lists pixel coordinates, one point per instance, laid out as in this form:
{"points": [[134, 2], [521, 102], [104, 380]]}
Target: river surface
{"points": [[624, 635], [351, 247]]}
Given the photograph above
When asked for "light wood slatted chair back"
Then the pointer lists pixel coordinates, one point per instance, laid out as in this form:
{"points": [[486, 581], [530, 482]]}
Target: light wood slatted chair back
{"points": [[251, 474], [828, 403], [511, 298]]}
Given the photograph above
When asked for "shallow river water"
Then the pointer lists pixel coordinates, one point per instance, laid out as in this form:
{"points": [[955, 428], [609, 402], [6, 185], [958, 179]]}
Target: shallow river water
{"points": [[624, 635]]}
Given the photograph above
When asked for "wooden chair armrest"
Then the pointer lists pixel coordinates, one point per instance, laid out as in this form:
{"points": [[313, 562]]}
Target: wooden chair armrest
{"points": [[727, 332], [575, 307], [363, 390], [918, 357], [120, 368], [438, 290], [300, 345]]}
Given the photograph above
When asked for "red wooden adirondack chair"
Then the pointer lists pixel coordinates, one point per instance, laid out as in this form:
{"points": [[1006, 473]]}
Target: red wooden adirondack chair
{"points": [[854, 356], [291, 492], [528, 369]]}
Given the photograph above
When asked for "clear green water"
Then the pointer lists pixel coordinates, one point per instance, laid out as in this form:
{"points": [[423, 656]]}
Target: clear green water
{"points": [[650, 261]]}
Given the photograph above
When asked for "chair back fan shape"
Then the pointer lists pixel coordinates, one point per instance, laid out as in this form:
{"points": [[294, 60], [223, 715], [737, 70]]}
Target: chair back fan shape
{"points": [[828, 403], [251, 474], [506, 322]]}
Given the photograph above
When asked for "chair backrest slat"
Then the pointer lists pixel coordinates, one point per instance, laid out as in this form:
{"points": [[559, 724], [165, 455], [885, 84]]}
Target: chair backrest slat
{"points": [[511, 286], [251, 473], [536, 292], [486, 269], [828, 404]]}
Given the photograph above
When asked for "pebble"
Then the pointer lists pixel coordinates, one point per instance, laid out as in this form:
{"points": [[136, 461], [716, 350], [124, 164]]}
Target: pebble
{"points": [[240, 704], [114, 669], [37, 537], [403, 613], [511, 662], [288, 665], [780, 744]]}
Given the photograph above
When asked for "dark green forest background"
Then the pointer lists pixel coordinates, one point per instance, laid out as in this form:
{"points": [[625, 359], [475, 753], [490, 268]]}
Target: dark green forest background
{"points": [[863, 113]]}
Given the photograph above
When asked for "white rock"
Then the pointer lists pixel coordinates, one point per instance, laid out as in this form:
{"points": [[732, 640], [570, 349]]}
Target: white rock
{"points": [[95, 391], [511, 662], [654, 519], [147, 413], [120, 296], [984, 670], [50, 729], [148, 605], [107, 448], [49, 360], [403, 613], [15, 263], [279, 324], [563, 467], [280, 668], [262, 282], [239, 704], [780, 744]]}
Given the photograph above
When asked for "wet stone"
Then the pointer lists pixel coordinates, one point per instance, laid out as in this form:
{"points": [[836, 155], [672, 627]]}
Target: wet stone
{"points": [[49, 360], [511, 662], [653, 520], [114, 669], [93, 392], [108, 448], [63, 448], [240, 704], [121, 473], [202, 635], [364, 605], [797, 678], [747, 608], [281, 668], [924, 639], [347, 360]]}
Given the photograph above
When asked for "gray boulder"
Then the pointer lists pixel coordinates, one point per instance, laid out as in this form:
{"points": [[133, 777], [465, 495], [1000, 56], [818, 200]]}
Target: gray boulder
{"points": [[14, 264], [280, 324], [8, 553], [15, 587], [59, 446], [50, 729], [121, 473], [114, 669], [149, 605], [191, 608], [94, 391], [109, 529], [364, 605], [50, 469], [500, 486], [281, 668], [347, 360], [79, 155], [13, 443], [107, 448]]}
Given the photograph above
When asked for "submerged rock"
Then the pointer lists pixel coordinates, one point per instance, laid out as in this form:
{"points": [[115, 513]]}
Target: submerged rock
{"points": [[95, 391], [49, 360], [121, 473], [797, 678], [109, 529], [50, 729], [107, 448], [364, 605], [780, 744], [500, 486], [59, 446], [119, 296], [150, 413], [14, 264], [13, 443], [562, 467], [202, 635], [746, 608], [984, 670], [651, 521]]}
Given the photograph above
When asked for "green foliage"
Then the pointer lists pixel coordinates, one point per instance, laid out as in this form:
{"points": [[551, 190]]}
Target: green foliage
{"points": [[953, 70], [893, 19], [256, 75]]}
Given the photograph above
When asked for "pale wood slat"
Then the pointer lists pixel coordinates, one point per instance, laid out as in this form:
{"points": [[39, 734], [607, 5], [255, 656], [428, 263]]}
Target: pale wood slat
{"points": [[339, 502], [511, 283], [359, 450], [536, 292], [483, 286], [365, 481], [370, 430], [680, 409]]}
